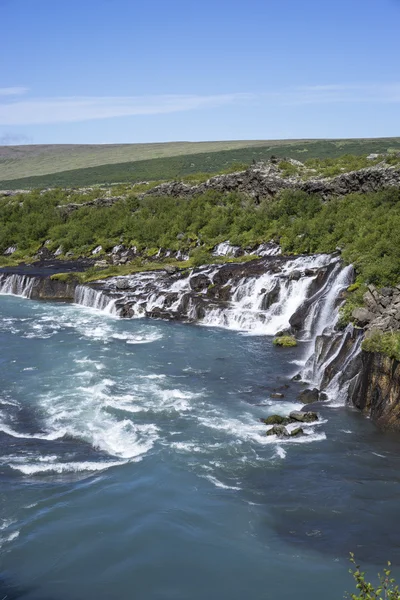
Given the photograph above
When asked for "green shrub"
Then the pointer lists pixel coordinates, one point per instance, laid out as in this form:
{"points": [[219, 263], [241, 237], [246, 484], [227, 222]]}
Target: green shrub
{"points": [[385, 343], [199, 256], [354, 298], [386, 589], [285, 341]]}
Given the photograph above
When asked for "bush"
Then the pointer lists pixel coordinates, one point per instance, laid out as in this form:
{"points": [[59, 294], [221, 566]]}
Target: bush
{"points": [[387, 589], [385, 343], [285, 341]]}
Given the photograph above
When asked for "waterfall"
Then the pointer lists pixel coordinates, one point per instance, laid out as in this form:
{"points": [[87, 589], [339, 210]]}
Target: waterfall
{"points": [[16, 285], [94, 298], [259, 299]]}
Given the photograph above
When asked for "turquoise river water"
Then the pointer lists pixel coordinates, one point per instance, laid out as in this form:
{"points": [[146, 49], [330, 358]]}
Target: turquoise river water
{"points": [[133, 465]]}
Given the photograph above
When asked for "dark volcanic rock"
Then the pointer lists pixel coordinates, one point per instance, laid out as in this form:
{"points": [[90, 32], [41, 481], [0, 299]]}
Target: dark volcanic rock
{"points": [[309, 396], [303, 417], [296, 432], [377, 391], [265, 180], [275, 420], [278, 430]]}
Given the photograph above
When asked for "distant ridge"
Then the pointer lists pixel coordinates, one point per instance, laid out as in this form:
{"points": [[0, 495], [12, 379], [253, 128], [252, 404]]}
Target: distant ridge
{"points": [[27, 167]]}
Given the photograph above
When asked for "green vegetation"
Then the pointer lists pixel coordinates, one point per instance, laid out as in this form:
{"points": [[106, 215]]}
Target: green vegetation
{"points": [[80, 172], [285, 341], [385, 343], [354, 299], [386, 589], [25, 161], [365, 226]]}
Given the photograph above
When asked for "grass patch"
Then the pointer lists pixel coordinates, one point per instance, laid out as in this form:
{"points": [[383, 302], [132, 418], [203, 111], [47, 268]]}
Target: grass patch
{"points": [[385, 343]]}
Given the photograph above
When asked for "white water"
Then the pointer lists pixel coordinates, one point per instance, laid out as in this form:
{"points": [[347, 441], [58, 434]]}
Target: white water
{"points": [[96, 299], [246, 310], [16, 285]]}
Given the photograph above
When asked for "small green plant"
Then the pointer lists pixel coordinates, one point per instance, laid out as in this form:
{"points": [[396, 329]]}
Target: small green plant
{"points": [[354, 299], [285, 341], [385, 343], [387, 589]]}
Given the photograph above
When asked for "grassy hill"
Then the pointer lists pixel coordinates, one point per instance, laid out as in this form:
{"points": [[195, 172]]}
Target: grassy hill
{"points": [[173, 167], [33, 160], [178, 159]]}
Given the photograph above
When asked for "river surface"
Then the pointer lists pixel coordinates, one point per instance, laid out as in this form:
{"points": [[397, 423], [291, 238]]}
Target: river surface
{"points": [[133, 465]]}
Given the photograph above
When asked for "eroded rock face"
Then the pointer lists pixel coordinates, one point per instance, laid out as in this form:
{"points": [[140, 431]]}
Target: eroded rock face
{"points": [[377, 392]]}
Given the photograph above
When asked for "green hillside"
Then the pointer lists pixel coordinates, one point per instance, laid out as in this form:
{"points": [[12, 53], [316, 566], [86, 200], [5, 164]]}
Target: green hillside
{"points": [[32, 160], [173, 167]]}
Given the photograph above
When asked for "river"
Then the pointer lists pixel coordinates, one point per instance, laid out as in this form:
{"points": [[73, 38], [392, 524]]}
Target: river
{"points": [[134, 465]]}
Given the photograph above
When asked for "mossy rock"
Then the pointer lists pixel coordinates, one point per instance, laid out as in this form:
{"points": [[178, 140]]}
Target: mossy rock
{"points": [[275, 420], [296, 432], [285, 341], [278, 430]]}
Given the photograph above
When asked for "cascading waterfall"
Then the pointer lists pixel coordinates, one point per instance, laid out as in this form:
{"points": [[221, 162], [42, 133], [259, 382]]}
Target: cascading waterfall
{"points": [[93, 298], [323, 317], [16, 285], [260, 302]]}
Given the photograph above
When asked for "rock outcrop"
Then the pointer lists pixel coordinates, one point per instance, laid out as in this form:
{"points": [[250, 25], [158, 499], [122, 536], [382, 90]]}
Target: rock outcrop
{"points": [[266, 180], [377, 392], [381, 311]]}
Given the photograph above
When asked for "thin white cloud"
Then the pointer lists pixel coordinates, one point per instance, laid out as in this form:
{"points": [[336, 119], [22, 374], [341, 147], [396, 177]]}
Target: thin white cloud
{"points": [[378, 93], [40, 111], [63, 110], [13, 91]]}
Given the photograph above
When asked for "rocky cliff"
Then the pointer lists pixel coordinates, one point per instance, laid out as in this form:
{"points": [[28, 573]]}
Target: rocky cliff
{"points": [[377, 391]]}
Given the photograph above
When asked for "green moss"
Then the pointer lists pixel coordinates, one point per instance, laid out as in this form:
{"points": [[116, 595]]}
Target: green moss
{"points": [[353, 287], [385, 343], [67, 277], [285, 341], [354, 298]]}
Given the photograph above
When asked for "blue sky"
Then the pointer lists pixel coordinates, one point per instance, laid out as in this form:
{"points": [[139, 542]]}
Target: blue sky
{"points": [[122, 71]]}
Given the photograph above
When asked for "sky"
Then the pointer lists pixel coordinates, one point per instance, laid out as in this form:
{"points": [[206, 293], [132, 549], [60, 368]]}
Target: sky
{"points": [[133, 71]]}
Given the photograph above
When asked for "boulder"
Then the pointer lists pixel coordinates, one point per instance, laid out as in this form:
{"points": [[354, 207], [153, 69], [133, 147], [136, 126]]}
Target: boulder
{"points": [[294, 275], [278, 430], [369, 300], [122, 284], [303, 417], [170, 270], [275, 420], [362, 316], [296, 432], [309, 396], [199, 282]]}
